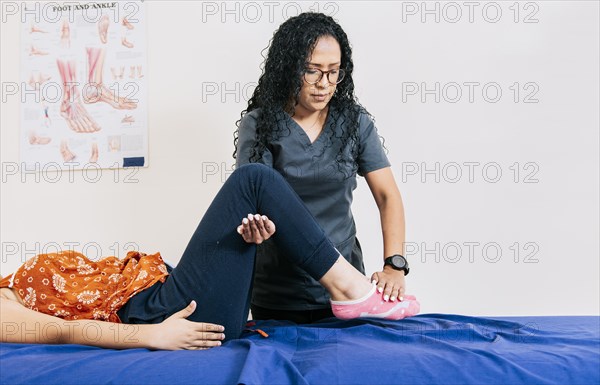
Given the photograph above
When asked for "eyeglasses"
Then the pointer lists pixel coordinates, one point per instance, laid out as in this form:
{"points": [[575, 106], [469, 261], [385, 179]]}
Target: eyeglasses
{"points": [[314, 75]]}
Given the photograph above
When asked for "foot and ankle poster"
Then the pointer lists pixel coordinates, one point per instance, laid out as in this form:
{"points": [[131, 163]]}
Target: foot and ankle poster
{"points": [[83, 66]]}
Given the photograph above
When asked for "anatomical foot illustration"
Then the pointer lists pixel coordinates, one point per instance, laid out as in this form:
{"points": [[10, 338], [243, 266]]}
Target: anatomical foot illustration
{"points": [[127, 24], [36, 79], [103, 28], [117, 75], [71, 108], [65, 35], [96, 91], [128, 119], [126, 43], [38, 140], [35, 29], [135, 72], [94, 155], [36, 52], [114, 144], [69, 156], [66, 153]]}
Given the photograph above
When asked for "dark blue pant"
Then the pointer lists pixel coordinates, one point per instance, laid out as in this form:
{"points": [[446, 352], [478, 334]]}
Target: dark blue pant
{"points": [[217, 267]]}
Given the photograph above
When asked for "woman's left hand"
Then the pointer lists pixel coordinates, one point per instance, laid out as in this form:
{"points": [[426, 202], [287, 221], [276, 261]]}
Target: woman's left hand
{"points": [[177, 332], [390, 282], [256, 228]]}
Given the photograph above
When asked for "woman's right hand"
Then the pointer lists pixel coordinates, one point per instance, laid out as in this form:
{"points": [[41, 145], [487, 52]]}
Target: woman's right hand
{"points": [[176, 332], [256, 228]]}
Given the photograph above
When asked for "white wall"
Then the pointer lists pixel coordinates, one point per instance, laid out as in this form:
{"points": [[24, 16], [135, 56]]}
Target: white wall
{"points": [[554, 141]]}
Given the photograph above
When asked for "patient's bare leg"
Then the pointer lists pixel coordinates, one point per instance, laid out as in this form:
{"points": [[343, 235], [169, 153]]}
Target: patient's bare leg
{"points": [[95, 90], [71, 108]]}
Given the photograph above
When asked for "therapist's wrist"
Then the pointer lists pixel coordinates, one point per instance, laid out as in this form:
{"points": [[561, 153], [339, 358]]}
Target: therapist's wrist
{"points": [[397, 262], [390, 269]]}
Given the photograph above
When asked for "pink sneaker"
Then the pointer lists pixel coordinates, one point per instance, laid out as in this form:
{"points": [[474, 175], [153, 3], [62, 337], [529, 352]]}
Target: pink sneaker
{"points": [[373, 305]]}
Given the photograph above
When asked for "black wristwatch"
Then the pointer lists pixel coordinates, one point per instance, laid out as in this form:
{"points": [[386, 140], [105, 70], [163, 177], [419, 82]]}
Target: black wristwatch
{"points": [[397, 262]]}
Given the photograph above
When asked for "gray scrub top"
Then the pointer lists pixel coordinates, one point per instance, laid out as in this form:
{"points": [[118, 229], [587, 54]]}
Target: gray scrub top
{"points": [[312, 171]]}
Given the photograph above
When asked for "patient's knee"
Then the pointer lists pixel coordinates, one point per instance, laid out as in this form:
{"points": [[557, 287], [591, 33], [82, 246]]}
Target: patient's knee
{"points": [[253, 170]]}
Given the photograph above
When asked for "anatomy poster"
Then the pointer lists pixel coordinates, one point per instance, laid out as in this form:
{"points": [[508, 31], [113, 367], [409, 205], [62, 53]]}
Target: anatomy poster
{"points": [[85, 88]]}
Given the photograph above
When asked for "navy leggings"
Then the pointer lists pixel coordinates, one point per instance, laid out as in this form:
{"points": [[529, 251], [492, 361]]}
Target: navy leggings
{"points": [[217, 267]]}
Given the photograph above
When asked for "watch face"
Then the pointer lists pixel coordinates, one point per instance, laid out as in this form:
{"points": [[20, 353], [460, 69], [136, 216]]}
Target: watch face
{"points": [[398, 262]]}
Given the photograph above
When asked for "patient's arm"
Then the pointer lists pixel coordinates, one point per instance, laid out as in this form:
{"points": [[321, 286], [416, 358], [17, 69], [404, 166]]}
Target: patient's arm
{"points": [[21, 325]]}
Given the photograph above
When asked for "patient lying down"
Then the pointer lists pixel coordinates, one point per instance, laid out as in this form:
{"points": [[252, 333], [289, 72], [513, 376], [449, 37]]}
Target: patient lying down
{"points": [[136, 302]]}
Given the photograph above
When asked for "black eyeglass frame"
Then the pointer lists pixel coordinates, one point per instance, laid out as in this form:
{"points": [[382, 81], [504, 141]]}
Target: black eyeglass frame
{"points": [[342, 75]]}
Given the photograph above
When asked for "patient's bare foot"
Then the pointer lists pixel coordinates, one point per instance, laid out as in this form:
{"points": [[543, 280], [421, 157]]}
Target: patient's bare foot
{"points": [[139, 70], [38, 140], [127, 24], [94, 156], [103, 28], [67, 155], [126, 43], [131, 72]]}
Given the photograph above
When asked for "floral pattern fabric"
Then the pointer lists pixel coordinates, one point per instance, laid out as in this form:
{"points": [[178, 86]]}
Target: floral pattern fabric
{"points": [[71, 286]]}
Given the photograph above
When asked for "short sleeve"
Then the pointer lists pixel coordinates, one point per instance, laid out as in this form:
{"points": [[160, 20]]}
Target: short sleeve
{"points": [[371, 155], [246, 140]]}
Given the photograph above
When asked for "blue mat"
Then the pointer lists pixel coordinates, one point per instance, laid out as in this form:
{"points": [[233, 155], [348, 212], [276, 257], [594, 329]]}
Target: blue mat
{"points": [[426, 349]]}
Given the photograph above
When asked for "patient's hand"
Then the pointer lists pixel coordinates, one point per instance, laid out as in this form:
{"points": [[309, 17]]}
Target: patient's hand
{"points": [[176, 332], [256, 228]]}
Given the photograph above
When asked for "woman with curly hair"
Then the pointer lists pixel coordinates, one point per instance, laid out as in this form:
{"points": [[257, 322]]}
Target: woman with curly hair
{"points": [[305, 121]]}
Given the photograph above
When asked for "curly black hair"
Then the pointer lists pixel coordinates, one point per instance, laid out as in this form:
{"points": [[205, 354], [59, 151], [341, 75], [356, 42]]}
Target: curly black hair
{"points": [[282, 77]]}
